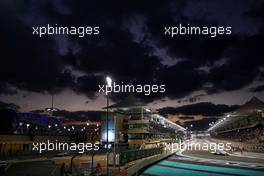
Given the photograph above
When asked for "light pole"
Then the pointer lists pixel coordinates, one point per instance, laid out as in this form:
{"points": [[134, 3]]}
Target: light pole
{"points": [[109, 84]]}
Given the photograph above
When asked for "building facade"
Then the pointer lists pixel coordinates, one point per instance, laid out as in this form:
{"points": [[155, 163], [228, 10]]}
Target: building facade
{"points": [[135, 126]]}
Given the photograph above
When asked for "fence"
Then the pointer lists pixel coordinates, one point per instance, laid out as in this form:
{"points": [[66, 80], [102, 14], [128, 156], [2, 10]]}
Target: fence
{"points": [[131, 155]]}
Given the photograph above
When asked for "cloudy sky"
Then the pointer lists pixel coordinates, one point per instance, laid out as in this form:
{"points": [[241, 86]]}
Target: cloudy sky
{"points": [[132, 48]]}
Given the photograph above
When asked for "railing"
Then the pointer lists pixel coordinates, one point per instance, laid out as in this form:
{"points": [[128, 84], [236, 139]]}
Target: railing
{"points": [[131, 155], [143, 121], [138, 130]]}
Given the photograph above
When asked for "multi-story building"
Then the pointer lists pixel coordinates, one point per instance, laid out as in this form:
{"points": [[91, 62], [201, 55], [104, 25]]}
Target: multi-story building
{"points": [[131, 123]]}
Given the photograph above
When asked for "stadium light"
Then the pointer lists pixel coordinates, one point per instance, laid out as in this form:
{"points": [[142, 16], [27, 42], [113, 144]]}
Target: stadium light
{"points": [[148, 110], [109, 84], [109, 81]]}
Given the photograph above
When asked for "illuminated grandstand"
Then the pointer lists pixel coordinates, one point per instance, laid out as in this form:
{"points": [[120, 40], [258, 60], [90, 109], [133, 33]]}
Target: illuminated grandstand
{"points": [[246, 124]]}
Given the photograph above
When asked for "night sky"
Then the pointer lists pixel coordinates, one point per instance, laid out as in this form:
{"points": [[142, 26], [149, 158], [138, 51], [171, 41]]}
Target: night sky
{"points": [[131, 48]]}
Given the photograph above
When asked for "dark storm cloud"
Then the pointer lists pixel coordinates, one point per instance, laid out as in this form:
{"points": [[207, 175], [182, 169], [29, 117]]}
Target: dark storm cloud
{"points": [[88, 85], [181, 79], [242, 50], [76, 115], [204, 108], [192, 99], [4, 105], [130, 35], [259, 88], [227, 13], [81, 115], [243, 67], [7, 89], [28, 63]]}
